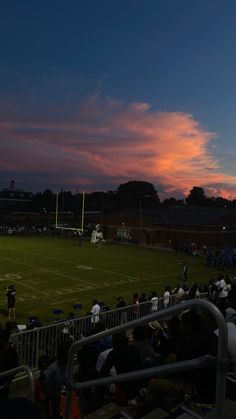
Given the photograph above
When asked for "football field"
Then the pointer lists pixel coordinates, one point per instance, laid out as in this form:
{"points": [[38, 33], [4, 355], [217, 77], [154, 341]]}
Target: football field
{"points": [[55, 273]]}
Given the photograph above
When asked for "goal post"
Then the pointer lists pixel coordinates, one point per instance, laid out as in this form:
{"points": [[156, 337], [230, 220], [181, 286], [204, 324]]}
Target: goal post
{"points": [[57, 221]]}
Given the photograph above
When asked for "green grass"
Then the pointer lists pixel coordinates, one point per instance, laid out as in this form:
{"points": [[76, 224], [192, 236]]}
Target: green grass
{"points": [[51, 273]]}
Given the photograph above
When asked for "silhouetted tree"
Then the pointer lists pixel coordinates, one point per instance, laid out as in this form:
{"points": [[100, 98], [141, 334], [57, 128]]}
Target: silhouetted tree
{"points": [[220, 202], [197, 197], [131, 193]]}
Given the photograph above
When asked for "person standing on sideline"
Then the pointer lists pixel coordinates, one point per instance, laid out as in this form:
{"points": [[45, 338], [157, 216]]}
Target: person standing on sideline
{"points": [[185, 272], [95, 310], [122, 314], [154, 302], [11, 302], [166, 301], [222, 292]]}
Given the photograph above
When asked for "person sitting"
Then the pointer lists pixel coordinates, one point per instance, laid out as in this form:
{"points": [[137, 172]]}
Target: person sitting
{"points": [[54, 378], [194, 341], [193, 292], [142, 343], [124, 358]]}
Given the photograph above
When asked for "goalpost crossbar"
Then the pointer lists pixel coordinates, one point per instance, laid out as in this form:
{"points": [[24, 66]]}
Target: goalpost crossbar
{"points": [[77, 229], [69, 228]]}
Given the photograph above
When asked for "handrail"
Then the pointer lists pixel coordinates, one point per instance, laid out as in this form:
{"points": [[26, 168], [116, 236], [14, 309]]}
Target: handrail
{"points": [[205, 361], [222, 354], [27, 370]]}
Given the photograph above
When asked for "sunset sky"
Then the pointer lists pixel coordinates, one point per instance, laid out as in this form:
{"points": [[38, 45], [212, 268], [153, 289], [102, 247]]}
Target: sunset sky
{"points": [[95, 93]]}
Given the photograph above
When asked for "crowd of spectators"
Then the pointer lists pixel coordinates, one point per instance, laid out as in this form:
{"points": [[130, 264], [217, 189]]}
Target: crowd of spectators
{"points": [[18, 229], [222, 259], [188, 247], [178, 338], [219, 258], [184, 337]]}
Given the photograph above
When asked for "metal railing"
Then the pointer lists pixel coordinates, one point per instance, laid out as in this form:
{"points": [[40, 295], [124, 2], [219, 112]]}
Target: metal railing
{"points": [[26, 370], [31, 344], [221, 360]]}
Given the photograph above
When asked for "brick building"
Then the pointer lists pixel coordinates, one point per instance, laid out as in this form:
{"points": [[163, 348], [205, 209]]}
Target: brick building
{"points": [[159, 226]]}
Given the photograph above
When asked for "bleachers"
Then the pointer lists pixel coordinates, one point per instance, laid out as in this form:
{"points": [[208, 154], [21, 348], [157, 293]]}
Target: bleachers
{"points": [[221, 363], [115, 412]]}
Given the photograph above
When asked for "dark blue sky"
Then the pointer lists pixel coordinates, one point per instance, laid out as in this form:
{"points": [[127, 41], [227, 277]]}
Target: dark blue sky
{"points": [[93, 72]]}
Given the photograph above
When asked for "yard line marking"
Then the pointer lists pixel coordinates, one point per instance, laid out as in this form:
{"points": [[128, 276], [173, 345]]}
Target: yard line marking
{"points": [[74, 264], [160, 276], [93, 286], [68, 291], [77, 290], [117, 273], [46, 270], [26, 299], [62, 301]]}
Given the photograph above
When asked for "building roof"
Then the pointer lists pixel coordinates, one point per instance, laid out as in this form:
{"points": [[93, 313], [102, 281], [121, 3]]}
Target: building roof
{"points": [[15, 195], [178, 216]]}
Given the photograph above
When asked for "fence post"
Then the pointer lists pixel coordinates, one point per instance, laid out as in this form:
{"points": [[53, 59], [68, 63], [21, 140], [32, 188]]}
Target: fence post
{"points": [[37, 348]]}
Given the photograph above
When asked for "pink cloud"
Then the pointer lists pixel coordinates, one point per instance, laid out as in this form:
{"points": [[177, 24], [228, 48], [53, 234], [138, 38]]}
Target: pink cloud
{"points": [[115, 142]]}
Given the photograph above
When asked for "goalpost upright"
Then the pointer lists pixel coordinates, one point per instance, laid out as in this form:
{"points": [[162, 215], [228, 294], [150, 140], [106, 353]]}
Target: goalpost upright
{"points": [[80, 229]]}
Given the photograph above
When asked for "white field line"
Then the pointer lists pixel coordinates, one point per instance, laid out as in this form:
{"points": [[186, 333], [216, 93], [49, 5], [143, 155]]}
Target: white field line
{"points": [[128, 277], [62, 301], [103, 286], [84, 288], [74, 264], [75, 293], [37, 269], [163, 276]]}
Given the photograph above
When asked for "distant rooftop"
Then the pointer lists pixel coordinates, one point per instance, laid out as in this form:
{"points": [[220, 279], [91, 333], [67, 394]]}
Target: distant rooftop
{"points": [[181, 216]]}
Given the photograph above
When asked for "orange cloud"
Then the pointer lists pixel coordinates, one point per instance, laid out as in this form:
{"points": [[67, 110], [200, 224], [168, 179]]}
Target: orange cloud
{"points": [[107, 142]]}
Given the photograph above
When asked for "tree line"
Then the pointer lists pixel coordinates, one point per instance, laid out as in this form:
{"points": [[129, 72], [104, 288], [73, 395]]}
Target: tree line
{"points": [[128, 195]]}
